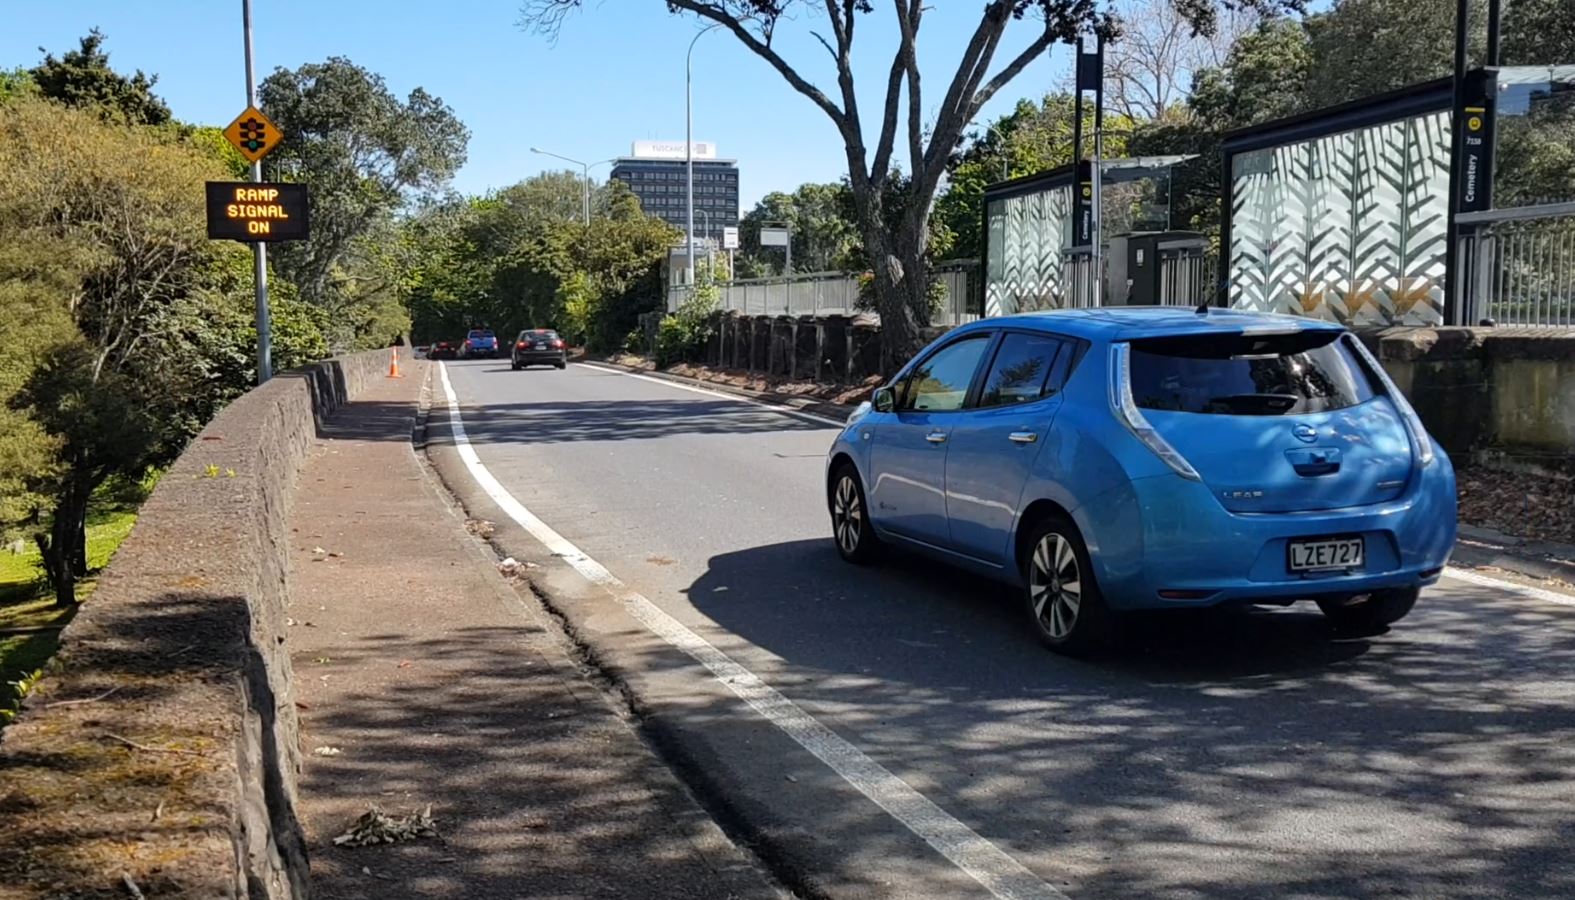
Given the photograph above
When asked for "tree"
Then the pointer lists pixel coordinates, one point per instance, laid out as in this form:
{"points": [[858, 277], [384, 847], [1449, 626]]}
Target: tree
{"points": [[1150, 69], [82, 78], [898, 256], [1264, 77], [107, 219], [1538, 32], [1367, 47], [523, 257], [1031, 138], [363, 153], [817, 216]]}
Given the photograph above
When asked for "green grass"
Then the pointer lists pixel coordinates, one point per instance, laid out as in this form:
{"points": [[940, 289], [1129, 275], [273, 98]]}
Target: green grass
{"points": [[25, 602]]}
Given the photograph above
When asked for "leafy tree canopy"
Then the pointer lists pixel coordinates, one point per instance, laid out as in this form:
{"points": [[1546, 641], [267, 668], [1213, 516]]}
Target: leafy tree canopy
{"points": [[83, 78]]}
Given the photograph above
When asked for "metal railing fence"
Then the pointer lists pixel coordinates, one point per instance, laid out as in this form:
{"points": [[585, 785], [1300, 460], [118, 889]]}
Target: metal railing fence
{"points": [[832, 293], [1517, 266]]}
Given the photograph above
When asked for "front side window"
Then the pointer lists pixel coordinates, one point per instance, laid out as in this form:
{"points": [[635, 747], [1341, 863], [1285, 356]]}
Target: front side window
{"points": [[940, 383], [1021, 370], [1247, 374]]}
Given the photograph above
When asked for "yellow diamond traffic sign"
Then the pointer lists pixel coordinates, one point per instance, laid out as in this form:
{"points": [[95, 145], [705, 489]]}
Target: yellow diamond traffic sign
{"points": [[253, 134]]}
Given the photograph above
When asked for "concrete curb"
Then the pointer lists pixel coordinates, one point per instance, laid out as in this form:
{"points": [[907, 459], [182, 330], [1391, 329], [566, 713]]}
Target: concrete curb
{"points": [[1535, 559], [585, 618]]}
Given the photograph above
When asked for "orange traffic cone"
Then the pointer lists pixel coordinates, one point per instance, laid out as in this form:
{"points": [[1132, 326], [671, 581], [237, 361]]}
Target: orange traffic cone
{"points": [[393, 363]]}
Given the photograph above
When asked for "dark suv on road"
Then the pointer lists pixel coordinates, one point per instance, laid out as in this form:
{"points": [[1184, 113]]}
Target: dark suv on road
{"points": [[539, 347]]}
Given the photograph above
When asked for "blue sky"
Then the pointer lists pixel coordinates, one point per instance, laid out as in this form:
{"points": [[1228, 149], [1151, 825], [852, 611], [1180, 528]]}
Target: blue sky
{"points": [[615, 74]]}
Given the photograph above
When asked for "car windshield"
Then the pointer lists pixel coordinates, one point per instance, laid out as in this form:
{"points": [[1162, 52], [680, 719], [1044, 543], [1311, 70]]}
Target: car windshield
{"points": [[481, 334], [540, 334], [1248, 374]]}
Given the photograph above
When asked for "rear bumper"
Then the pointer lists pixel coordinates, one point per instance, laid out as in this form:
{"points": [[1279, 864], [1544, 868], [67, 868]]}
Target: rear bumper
{"points": [[539, 357], [1169, 534]]}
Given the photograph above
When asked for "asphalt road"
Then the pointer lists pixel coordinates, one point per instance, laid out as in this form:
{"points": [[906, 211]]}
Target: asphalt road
{"points": [[1242, 754]]}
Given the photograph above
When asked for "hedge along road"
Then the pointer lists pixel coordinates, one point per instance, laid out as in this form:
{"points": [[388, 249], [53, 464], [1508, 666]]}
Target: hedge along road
{"points": [[896, 731]]}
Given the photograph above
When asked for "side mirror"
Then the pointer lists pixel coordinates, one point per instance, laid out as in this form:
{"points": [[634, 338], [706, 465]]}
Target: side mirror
{"points": [[885, 400]]}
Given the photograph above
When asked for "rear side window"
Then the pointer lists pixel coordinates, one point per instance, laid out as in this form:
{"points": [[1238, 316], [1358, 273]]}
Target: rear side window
{"points": [[1248, 375], [1021, 370]]}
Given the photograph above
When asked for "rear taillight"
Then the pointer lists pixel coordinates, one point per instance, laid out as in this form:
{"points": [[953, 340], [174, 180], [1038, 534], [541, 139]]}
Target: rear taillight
{"points": [[1421, 444], [1126, 409], [557, 345], [520, 346]]}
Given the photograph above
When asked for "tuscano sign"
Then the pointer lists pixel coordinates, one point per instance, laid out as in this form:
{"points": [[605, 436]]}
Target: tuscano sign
{"points": [[251, 211]]}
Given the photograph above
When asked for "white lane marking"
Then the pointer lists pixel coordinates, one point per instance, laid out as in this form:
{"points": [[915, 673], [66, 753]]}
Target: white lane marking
{"points": [[774, 407], [1001, 875], [1524, 590]]}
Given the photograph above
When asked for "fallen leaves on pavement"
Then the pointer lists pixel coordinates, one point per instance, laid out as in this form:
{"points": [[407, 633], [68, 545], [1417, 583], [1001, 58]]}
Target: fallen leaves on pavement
{"points": [[377, 827], [1540, 507]]}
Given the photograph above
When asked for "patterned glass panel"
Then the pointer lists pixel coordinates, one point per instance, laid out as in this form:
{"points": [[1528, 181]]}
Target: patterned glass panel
{"points": [[1026, 234], [1349, 227]]}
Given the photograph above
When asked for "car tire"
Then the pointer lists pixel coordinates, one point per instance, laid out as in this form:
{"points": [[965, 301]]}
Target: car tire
{"points": [[562, 365], [1377, 611], [1060, 595], [851, 532], [515, 366]]}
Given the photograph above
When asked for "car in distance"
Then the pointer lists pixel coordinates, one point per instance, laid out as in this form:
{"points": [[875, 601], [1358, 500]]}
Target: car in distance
{"points": [[442, 350], [1113, 460], [539, 347], [479, 343]]}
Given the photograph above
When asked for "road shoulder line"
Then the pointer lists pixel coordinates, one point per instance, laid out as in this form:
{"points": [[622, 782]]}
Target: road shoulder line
{"points": [[1002, 875]]}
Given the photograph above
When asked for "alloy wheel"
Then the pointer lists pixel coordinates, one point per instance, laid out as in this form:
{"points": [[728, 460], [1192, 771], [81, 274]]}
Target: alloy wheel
{"points": [[847, 515], [1055, 585]]}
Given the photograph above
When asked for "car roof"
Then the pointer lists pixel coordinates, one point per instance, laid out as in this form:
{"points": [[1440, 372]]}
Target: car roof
{"points": [[1132, 322]]}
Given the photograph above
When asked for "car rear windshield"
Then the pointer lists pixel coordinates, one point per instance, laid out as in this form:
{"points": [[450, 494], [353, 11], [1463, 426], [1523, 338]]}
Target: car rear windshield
{"points": [[481, 334], [1249, 374], [540, 334]]}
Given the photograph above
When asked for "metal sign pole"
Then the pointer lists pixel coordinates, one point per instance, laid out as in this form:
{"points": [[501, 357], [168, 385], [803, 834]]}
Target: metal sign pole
{"points": [[1097, 232], [259, 249]]}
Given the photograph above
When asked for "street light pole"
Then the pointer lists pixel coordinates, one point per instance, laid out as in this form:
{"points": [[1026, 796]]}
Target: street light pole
{"points": [[689, 152], [585, 180], [259, 249]]}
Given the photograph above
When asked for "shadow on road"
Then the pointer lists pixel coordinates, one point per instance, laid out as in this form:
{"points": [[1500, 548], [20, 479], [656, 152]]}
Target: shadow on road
{"points": [[554, 422], [1234, 753]]}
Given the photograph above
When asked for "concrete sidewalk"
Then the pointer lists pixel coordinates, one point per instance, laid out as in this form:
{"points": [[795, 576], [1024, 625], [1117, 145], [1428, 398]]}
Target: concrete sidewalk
{"points": [[438, 683]]}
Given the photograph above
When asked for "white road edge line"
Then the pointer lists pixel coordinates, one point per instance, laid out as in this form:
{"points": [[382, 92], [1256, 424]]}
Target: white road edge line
{"points": [[1527, 591], [774, 407], [1003, 876], [1524, 590]]}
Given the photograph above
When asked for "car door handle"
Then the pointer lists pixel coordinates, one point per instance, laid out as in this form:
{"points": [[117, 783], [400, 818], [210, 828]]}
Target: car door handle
{"points": [[1023, 437], [936, 437]]}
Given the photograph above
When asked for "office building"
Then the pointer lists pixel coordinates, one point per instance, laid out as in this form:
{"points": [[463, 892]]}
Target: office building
{"points": [[656, 172]]}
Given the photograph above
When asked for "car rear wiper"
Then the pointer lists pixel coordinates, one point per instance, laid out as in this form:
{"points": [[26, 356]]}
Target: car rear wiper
{"points": [[1253, 404]]}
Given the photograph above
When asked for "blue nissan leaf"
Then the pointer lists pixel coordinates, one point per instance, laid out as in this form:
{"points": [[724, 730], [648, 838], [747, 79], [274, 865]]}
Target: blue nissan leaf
{"points": [[1113, 460]]}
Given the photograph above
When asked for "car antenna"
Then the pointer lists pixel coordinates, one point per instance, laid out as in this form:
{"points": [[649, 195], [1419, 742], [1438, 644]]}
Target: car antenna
{"points": [[1203, 308]]}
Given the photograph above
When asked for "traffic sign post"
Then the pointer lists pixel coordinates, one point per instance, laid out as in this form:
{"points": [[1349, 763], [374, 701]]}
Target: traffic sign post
{"points": [[257, 136], [253, 134]]}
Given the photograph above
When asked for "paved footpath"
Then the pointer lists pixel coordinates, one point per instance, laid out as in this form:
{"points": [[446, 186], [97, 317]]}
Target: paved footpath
{"points": [[439, 683]]}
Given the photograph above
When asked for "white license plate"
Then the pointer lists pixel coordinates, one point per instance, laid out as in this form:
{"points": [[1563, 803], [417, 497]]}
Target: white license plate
{"points": [[1335, 553]]}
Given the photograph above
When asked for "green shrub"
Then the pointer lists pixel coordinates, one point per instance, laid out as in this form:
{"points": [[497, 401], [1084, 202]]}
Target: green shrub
{"points": [[682, 336]]}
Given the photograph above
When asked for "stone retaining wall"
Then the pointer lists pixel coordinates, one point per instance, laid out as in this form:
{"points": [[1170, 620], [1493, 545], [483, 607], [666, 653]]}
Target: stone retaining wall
{"points": [[179, 771], [1501, 396]]}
